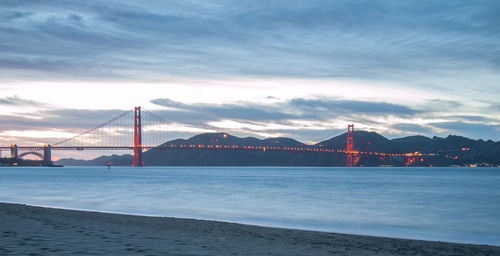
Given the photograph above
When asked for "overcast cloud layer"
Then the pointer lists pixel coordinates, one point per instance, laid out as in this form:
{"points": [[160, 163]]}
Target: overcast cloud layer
{"points": [[320, 39], [449, 50]]}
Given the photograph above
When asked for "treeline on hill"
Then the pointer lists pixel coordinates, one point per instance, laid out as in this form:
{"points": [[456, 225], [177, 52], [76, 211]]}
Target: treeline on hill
{"points": [[452, 150]]}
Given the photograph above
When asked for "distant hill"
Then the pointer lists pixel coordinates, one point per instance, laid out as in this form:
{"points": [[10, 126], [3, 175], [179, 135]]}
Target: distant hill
{"points": [[467, 150], [249, 158], [364, 141], [447, 151], [227, 139], [102, 160]]}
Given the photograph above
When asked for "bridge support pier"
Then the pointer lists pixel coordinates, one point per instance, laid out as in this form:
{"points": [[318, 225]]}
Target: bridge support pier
{"points": [[47, 154], [14, 152], [137, 138]]}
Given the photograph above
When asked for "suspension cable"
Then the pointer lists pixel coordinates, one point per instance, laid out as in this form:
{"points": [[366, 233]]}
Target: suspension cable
{"points": [[93, 129]]}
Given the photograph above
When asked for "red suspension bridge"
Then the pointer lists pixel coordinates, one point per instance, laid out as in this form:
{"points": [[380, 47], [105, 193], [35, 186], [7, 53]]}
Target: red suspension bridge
{"points": [[148, 131]]}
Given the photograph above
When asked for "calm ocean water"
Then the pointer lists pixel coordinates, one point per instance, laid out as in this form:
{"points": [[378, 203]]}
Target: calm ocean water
{"points": [[446, 204]]}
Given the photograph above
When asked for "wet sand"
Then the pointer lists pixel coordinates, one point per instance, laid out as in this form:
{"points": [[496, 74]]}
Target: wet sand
{"points": [[29, 230]]}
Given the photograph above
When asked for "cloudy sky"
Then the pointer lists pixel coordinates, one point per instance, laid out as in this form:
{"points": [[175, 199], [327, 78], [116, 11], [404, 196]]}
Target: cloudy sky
{"points": [[299, 68]]}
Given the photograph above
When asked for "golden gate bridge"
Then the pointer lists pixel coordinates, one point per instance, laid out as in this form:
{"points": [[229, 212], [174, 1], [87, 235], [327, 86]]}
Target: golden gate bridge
{"points": [[146, 130]]}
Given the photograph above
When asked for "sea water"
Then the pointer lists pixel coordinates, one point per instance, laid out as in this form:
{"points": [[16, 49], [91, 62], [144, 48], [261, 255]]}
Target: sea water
{"points": [[442, 204]]}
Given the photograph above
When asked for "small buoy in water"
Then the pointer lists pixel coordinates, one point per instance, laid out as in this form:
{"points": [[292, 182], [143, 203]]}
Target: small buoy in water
{"points": [[109, 165]]}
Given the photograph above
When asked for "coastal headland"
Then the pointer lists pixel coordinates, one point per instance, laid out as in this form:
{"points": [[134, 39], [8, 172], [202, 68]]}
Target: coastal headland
{"points": [[30, 230]]}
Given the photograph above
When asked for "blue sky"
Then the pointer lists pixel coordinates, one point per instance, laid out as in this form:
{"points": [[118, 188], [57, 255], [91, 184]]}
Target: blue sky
{"points": [[261, 68]]}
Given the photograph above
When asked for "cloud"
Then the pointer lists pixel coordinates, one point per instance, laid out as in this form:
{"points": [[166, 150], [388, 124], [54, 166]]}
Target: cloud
{"points": [[494, 106], [476, 119], [441, 105], [341, 39], [245, 111], [294, 109], [407, 128], [351, 106], [472, 130], [68, 119], [17, 101], [37, 134]]}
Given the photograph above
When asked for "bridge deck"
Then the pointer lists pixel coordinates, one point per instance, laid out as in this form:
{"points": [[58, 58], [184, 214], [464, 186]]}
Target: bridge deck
{"points": [[309, 148]]}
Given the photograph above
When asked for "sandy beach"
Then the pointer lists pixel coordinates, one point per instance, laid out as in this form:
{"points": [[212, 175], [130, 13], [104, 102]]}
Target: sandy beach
{"points": [[29, 230]]}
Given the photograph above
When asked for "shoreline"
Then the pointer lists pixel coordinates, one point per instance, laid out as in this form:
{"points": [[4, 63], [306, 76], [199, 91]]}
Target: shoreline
{"points": [[38, 230], [124, 213]]}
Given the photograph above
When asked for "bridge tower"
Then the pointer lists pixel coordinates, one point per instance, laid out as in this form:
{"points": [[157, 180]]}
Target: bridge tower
{"points": [[14, 152], [350, 145], [137, 138], [47, 154]]}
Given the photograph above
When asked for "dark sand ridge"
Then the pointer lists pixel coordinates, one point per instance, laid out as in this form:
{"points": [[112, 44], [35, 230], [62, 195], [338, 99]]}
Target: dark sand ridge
{"points": [[29, 230]]}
